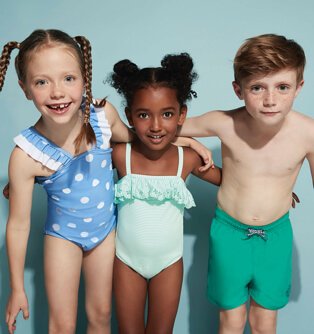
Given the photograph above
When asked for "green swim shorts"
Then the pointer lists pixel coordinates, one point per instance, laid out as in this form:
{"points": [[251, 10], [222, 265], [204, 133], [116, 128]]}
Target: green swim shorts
{"points": [[249, 261]]}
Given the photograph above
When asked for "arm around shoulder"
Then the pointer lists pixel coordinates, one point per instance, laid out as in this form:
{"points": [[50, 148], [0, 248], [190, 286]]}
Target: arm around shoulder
{"points": [[120, 131], [205, 125]]}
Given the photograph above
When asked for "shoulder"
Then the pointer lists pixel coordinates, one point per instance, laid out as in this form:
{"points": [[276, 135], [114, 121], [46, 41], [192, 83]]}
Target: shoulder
{"points": [[191, 160], [21, 163]]}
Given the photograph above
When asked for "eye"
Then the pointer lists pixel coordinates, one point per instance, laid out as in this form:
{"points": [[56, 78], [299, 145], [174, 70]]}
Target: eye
{"points": [[256, 89], [41, 82], [69, 78], [143, 115], [168, 114], [283, 88]]}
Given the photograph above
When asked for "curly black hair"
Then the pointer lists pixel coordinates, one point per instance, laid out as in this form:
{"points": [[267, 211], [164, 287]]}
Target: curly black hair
{"points": [[176, 72]]}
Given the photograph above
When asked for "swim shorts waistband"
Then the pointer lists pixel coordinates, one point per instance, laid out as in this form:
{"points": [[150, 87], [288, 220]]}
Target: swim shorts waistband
{"points": [[224, 217]]}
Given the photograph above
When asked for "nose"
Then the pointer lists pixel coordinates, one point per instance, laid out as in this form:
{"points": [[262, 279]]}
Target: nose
{"points": [[155, 124], [56, 91], [269, 99]]}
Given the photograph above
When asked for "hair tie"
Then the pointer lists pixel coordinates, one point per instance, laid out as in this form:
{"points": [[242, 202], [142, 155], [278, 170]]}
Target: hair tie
{"points": [[193, 93]]}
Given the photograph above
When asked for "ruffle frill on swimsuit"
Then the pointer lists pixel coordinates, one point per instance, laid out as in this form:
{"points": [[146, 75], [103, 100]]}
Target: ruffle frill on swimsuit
{"points": [[40, 149], [155, 188]]}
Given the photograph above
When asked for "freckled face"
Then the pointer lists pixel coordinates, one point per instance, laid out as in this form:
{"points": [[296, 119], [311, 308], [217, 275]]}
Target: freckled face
{"points": [[269, 99], [155, 114]]}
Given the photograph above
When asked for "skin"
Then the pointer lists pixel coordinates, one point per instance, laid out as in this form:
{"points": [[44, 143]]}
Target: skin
{"points": [[155, 115], [55, 85], [264, 144]]}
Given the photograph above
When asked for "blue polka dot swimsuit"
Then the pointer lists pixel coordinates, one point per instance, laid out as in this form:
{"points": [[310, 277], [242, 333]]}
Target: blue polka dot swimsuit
{"points": [[81, 191]]}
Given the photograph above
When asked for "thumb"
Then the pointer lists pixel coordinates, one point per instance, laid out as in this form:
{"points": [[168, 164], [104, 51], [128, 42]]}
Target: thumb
{"points": [[25, 313]]}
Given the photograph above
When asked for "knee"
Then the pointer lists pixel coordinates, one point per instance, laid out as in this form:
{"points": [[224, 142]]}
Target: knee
{"points": [[233, 322], [62, 326], [99, 316]]}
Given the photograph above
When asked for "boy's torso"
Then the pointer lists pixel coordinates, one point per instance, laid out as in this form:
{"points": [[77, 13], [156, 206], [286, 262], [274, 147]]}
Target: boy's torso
{"points": [[260, 169]]}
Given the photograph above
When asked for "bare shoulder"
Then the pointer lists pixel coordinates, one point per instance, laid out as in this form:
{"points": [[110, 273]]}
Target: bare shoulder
{"points": [[191, 161], [302, 122], [23, 165]]}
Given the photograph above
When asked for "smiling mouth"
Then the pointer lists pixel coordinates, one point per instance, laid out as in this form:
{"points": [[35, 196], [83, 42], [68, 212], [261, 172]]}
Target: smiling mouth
{"points": [[59, 108]]}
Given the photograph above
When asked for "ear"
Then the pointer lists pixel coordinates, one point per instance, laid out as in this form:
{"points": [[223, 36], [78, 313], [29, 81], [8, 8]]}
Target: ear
{"points": [[182, 115], [27, 95], [128, 114], [237, 89], [299, 87]]}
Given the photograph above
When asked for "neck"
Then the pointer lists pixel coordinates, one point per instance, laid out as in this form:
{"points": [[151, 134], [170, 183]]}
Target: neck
{"points": [[149, 154], [60, 134]]}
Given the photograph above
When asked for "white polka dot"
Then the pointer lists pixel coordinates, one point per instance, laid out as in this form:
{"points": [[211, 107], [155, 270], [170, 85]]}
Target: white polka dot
{"points": [[94, 240], [84, 200], [110, 167], [100, 205], [111, 207], [71, 225], [66, 190], [56, 198], [88, 220], [48, 182], [95, 182], [102, 223], [79, 177], [56, 227], [107, 185], [58, 211], [44, 142], [84, 234], [103, 163], [89, 157]]}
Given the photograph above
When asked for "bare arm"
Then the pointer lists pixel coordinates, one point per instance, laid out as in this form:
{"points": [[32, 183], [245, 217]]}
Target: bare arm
{"points": [[120, 131], [192, 163], [17, 231], [205, 125], [199, 148], [310, 158]]}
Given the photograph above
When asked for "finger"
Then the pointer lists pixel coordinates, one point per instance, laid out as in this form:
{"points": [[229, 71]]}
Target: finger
{"points": [[25, 313], [295, 197]]}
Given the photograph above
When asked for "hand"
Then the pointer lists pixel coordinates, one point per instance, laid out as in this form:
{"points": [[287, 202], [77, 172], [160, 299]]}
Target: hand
{"points": [[6, 191], [199, 148], [295, 199], [17, 302]]}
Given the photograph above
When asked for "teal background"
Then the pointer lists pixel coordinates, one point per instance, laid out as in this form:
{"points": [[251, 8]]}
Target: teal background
{"points": [[144, 31]]}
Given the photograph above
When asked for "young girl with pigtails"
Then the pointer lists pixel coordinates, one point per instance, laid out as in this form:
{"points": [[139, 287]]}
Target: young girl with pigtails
{"points": [[151, 193], [68, 152]]}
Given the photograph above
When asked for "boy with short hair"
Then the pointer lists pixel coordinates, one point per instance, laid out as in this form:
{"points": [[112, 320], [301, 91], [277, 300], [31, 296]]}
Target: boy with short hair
{"points": [[264, 144]]}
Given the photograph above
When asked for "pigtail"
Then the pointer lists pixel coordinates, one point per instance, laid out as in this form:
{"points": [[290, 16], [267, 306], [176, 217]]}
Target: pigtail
{"points": [[87, 130], [124, 72], [180, 69], [5, 60]]}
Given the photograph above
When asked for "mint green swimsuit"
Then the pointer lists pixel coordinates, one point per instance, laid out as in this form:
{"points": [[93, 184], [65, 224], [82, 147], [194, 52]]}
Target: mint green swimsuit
{"points": [[149, 234]]}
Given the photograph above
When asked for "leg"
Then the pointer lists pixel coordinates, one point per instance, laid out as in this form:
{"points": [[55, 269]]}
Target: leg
{"points": [[262, 321], [97, 270], [163, 299], [130, 290], [62, 266], [233, 321]]}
